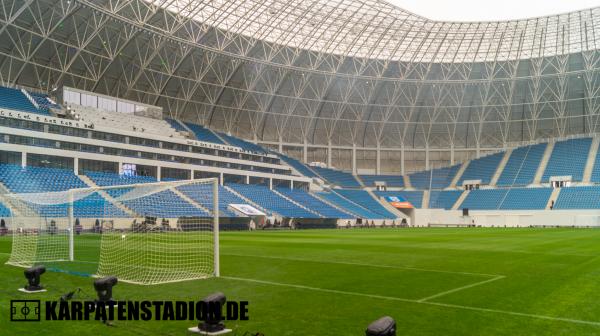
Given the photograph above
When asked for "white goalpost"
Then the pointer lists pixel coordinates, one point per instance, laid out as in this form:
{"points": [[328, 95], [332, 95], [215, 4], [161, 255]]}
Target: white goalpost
{"points": [[148, 233]]}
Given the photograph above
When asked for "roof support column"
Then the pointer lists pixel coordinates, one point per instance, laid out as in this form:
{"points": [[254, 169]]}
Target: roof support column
{"points": [[426, 156], [452, 154], [305, 151], [354, 158], [329, 154], [378, 160], [402, 159]]}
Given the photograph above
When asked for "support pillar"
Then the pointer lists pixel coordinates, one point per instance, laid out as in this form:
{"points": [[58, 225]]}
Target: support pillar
{"points": [[354, 159], [305, 151], [402, 171], [23, 159], [427, 157], [378, 160], [329, 154]]}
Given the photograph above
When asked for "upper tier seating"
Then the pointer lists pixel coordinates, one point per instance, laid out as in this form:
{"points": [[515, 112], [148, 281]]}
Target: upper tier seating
{"points": [[443, 199], [364, 199], [522, 165], [4, 211], [299, 166], [390, 180], [176, 125], [337, 177], [125, 121], [439, 178], [578, 198], [204, 134], [44, 102], [162, 203], [482, 169], [507, 199], [243, 144], [344, 203], [14, 99], [568, 159], [270, 201], [313, 203], [414, 197], [38, 179], [110, 179], [203, 195], [596, 171]]}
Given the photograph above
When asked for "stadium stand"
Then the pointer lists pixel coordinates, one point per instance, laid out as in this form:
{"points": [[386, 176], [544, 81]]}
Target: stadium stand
{"points": [[337, 177], [396, 181], [4, 211], [204, 134], [109, 179], [415, 197], [507, 199], [299, 166], [38, 179], [596, 169], [443, 199], [568, 159], [243, 144], [587, 197], [362, 198], [522, 165], [44, 102], [202, 194], [344, 203], [165, 204], [439, 178], [176, 125], [313, 203], [126, 122], [271, 201], [14, 99], [482, 169]]}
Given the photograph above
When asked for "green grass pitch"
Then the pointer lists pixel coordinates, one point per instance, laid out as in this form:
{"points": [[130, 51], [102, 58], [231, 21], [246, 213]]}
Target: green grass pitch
{"points": [[494, 281]]}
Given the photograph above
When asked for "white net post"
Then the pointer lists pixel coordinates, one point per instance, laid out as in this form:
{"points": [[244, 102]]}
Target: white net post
{"points": [[216, 226], [71, 226], [146, 233]]}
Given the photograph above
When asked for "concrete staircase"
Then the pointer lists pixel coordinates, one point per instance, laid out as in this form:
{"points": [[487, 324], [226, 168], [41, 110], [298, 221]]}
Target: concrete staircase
{"points": [[553, 197], [543, 164], [407, 183], [16, 206], [425, 202], [189, 200], [386, 205], [589, 166], [362, 184], [460, 200], [190, 132], [459, 174], [501, 167], [108, 197]]}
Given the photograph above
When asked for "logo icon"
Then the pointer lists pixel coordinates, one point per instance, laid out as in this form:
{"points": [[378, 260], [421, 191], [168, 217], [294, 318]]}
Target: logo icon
{"points": [[25, 310]]}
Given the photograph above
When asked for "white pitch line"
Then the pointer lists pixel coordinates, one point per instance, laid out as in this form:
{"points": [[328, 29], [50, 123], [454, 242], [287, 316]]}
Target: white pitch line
{"points": [[458, 289], [362, 264], [437, 304]]}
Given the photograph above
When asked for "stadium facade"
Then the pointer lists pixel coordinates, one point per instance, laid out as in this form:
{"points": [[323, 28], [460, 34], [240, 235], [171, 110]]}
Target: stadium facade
{"points": [[357, 84]]}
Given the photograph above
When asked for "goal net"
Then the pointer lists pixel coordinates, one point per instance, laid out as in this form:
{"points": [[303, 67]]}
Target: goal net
{"points": [[146, 233]]}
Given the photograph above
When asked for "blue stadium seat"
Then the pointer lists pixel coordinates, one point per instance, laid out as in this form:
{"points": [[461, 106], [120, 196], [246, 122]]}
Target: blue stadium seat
{"points": [[203, 195], [443, 199], [270, 201], [337, 177], [522, 165], [439, 178], [204, 134], [313, 203], [243, 144], [110, 179], [299, 166], [38, 179], [349, 206], [568, 159], [176, 125], [482, 169], [14, 99], [362, 198], [508, 199], [578, 198], [4, 211]]}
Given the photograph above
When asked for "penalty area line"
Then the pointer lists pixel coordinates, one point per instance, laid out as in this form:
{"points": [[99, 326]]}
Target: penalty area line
{"points": [[429, 303], [458, 289], [362, 264]]}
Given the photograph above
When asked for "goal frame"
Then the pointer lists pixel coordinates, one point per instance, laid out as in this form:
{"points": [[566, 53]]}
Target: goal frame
{"points": [[71, 218]]}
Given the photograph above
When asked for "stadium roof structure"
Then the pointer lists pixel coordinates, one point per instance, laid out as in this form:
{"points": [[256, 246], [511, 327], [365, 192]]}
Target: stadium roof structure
{"points": [[324, 72]]}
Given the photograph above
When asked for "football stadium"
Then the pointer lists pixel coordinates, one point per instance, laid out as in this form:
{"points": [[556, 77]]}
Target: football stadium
{"points": [[321, 167]]}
